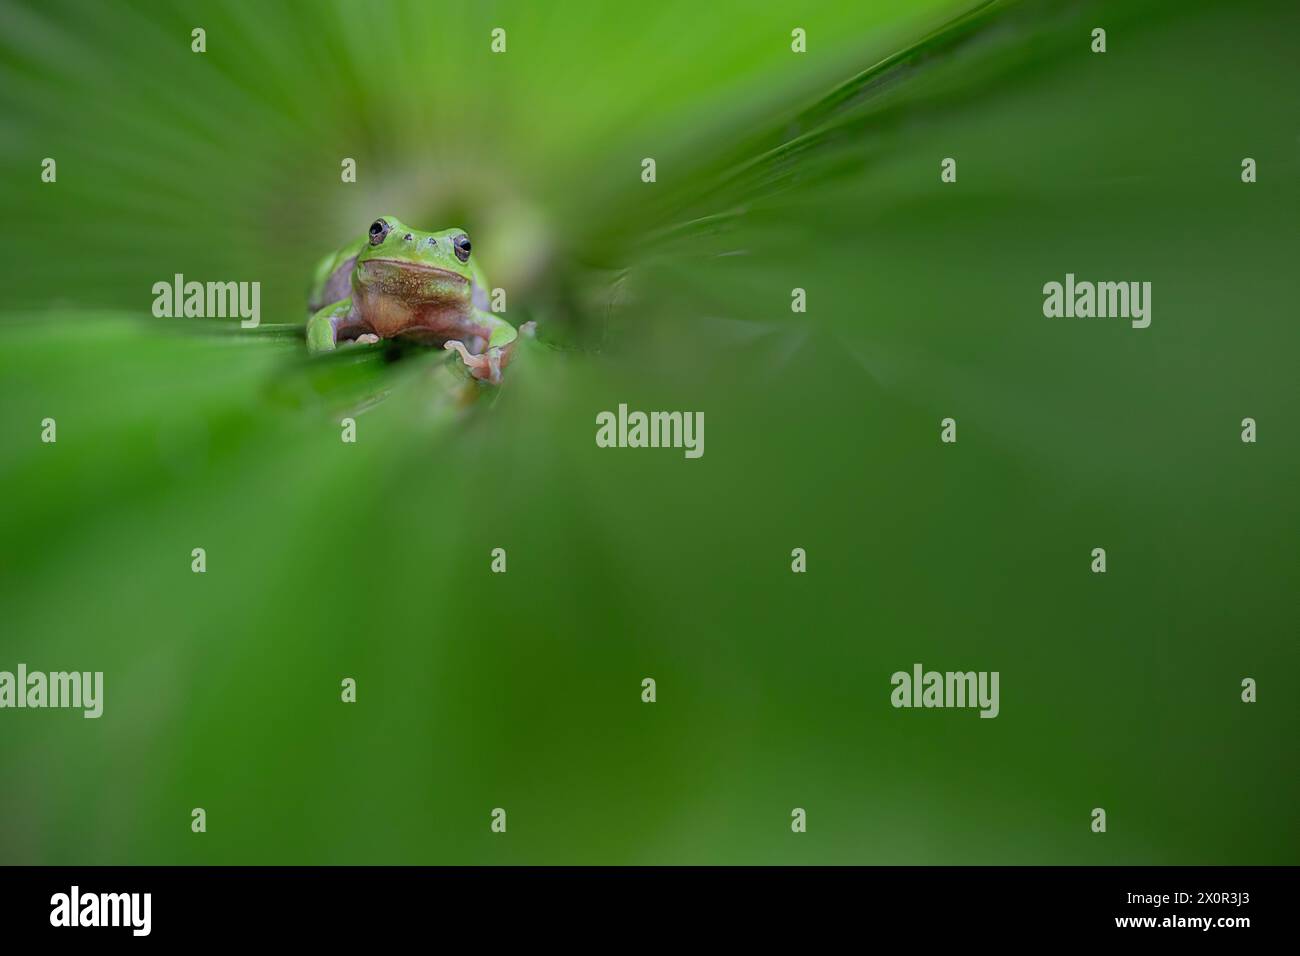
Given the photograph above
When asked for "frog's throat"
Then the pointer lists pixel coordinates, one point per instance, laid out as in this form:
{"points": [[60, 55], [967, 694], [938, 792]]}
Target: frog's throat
{"points": [[411, 281], [405, 264]]}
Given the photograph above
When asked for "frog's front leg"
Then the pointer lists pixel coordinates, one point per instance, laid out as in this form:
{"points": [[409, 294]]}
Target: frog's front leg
{"points": [[325, 328], [501, 340]]}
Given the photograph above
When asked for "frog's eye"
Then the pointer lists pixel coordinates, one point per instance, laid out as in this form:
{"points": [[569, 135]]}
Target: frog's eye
{"points": [[378, 231], [461, 243]]}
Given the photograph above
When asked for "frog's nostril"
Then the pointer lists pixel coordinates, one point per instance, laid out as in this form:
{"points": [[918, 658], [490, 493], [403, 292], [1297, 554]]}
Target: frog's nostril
{"points": [[408, 237], [432, 241]]}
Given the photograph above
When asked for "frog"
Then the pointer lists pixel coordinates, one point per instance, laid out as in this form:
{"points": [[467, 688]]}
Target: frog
{"points": [[396, 282]]}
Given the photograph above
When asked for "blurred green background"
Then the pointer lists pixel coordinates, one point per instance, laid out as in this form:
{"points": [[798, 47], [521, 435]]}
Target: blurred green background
{"points": [[775, 170]]}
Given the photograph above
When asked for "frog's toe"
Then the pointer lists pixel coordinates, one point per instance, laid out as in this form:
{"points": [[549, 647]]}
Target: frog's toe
{"points": [[485, 367], [466, 356], [367, 338]]}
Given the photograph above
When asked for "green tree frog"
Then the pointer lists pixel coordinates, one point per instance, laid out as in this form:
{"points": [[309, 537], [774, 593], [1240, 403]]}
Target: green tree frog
{"points": [[421, 286]]}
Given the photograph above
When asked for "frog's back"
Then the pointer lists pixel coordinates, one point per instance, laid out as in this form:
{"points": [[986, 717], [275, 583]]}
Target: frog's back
{"points": [[332, 278]]}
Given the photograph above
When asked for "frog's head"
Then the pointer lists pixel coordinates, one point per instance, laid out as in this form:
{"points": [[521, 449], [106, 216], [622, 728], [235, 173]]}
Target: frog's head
{"points": [[404, 263]]}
